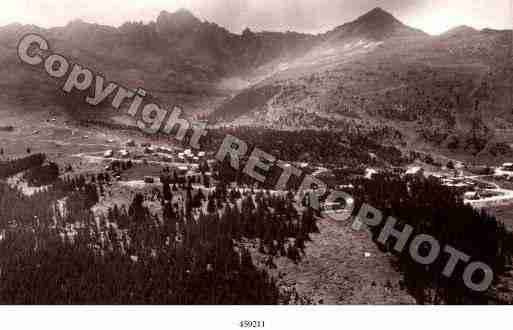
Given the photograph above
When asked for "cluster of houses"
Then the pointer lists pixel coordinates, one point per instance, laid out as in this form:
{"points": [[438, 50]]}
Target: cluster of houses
{"points": [[188, 165], [188, 154], [123, 153], [471, 190], [159, 153], [505, 171]]}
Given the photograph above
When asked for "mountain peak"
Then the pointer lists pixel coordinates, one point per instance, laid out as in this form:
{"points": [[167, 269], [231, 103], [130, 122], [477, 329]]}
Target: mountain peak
{"points": [[461, 30], [377, 24], [378, 11], [378, 16], [179, 21]]}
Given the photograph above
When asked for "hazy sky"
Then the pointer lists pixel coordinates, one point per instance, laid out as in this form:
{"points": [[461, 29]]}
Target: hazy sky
{"points": [[432, 16]]}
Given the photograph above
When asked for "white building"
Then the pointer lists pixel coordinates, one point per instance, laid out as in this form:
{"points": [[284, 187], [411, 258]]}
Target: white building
{"points": [[415, 171], [369, 173]]}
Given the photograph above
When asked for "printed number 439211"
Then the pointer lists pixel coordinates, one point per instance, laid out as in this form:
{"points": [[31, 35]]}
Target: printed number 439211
{"points": [[251, 324]]}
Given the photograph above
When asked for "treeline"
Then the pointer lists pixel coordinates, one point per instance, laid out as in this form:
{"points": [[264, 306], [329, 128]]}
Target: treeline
{"points": [[41, 175], [315, 146], [18, 210], [12, 167]]}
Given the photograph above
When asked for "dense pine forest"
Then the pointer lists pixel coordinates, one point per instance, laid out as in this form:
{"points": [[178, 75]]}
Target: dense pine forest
{"points": [[436, 210], [198, 250], [67, 255]]}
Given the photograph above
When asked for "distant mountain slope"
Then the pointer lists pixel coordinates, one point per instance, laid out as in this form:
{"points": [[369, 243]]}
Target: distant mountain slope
{"points": [[177, 58], [337, 49], [452, 90]]}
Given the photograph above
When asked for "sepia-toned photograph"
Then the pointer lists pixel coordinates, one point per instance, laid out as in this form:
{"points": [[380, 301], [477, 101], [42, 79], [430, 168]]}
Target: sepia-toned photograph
{"points": [[256, 152]]}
